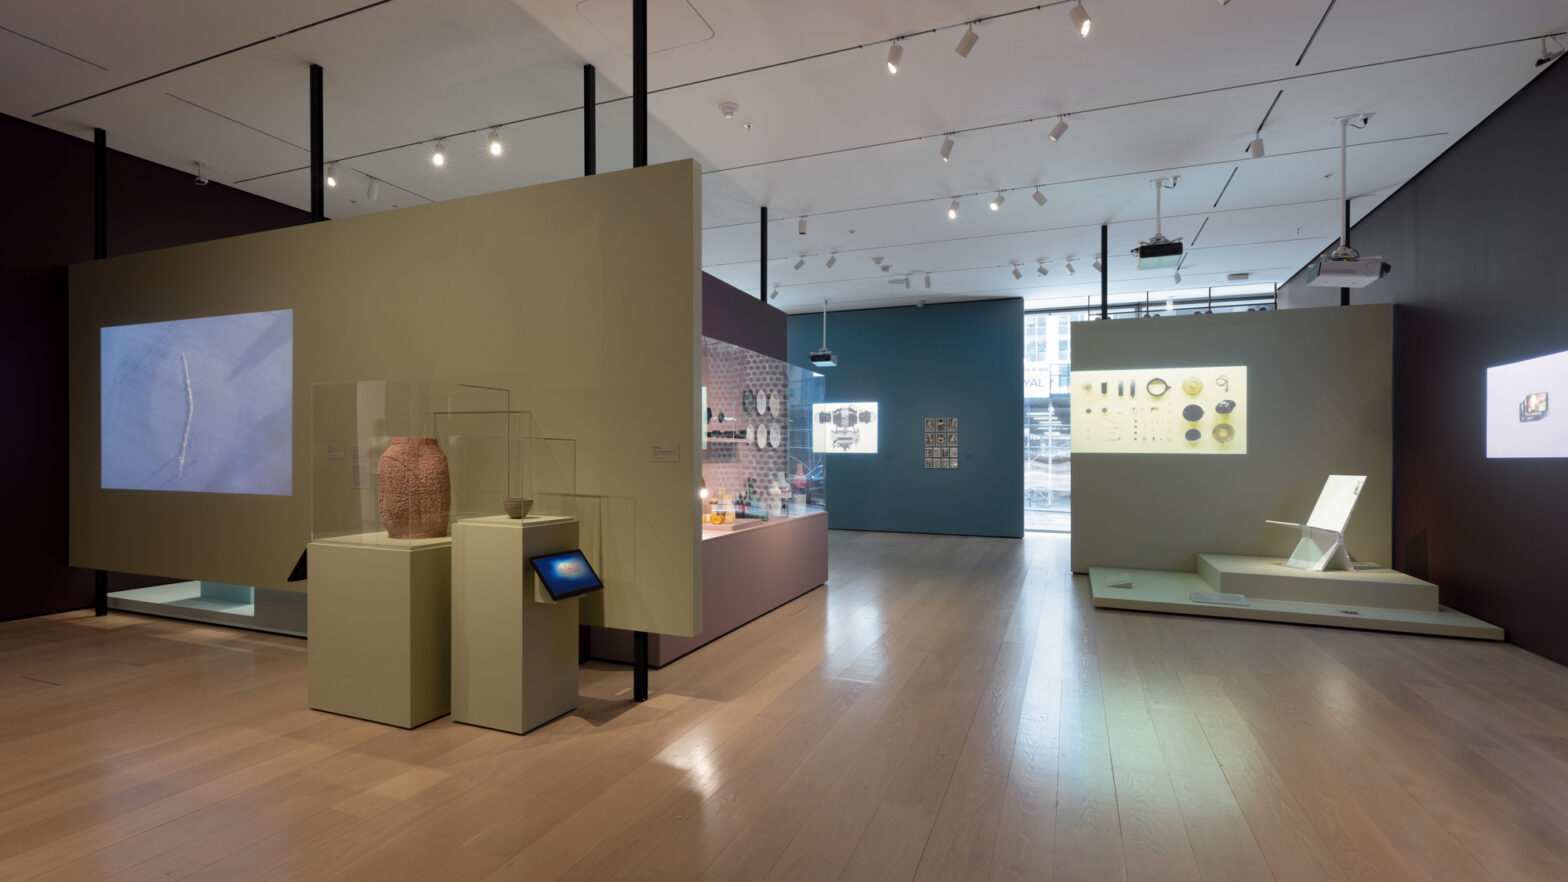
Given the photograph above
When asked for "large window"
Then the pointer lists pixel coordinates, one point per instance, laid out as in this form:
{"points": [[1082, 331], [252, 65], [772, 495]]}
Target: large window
{"points": [[1047, 363]]}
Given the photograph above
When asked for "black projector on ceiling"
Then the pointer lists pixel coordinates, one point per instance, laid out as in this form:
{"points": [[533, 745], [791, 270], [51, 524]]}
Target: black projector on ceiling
{"points": [[1162, 254]]}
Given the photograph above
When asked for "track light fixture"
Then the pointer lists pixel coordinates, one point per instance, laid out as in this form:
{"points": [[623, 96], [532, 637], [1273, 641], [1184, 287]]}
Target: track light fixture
{"points": [[952, 210], [495, 142], [1549, 57], [928, 282], [996, 204], [907, 283], [1060, 129], [1017, 274], [1080, 18], [775, 294], [947, 148], [1098, 266], [1256, 147], [1042, 270], [201, 174], [895, 52], [802, 227], [1170, 304], [832, 259], [1070, 270], [332, 178], [1038, 197], [438, 158], [800, 263], [967, 42], [373, 190], [1177, 277]]}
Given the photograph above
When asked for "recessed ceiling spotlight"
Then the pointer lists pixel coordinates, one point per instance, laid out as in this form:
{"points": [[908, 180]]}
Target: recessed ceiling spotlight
{"points": [[728, 109], [1080, 18], [438, 158], [894, 53], [952, 210], [832, 259], [1256, 147], [800, 263], [1060, 129], [1070, 270], [802, 228], [967, 42], [1038, 197], [332, 178], [996, 204], [1017, 274], [1042, 270], [495, 142], [947, 148]]}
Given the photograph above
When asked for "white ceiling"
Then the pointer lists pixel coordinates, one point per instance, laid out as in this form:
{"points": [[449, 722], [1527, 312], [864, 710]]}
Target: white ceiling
{"points": [[1157, 88]]}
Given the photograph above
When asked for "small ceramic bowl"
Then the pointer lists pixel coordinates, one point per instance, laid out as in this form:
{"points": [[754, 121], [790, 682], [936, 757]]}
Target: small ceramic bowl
{"points": [[516, 506]]}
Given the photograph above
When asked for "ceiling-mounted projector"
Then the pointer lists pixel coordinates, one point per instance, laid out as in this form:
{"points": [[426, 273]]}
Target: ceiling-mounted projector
{"points": [[1346, 272], [823, 358], [1160, 254]]}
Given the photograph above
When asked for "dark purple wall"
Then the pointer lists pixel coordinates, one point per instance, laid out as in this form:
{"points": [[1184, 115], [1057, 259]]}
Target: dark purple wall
{"points": [[48, 225], [732, 315], [1477, 247]]}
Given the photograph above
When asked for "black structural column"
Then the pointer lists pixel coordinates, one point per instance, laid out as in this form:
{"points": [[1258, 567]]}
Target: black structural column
{"points": [[318, 168], [590, 123], [762, 292], [100, 251], [639, 159], [1105, 272]]}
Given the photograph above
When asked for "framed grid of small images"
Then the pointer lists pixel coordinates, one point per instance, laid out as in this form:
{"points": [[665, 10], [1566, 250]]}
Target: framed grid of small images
{"points": [[941, 434]]}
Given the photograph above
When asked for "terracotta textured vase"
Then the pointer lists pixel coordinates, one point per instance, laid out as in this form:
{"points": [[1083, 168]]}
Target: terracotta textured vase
{"points": [[414, 491]]}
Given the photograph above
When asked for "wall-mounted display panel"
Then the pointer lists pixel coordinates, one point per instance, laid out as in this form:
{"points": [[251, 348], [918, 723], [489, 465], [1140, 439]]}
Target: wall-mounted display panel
{"points": [[1160, 410], [199, 405], [844, 427], [1519, 400]]}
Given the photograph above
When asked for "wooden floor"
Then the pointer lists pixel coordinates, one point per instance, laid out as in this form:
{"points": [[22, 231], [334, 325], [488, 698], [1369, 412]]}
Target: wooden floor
{"points": [[948, 708]]}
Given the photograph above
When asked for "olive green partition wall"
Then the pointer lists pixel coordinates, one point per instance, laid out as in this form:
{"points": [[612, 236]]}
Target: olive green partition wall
{"points": [[581, 296], [1319, 395]]}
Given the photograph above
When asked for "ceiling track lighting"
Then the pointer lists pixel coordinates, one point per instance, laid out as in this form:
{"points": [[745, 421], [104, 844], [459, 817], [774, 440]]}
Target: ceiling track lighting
{"points": [[947, 148], [928, 283], [1098, 266], [1177, 277], [373, 190], [332, 178], [1042, 270], [800, 263], [201, 174], [775, 294], [1038, 197], [907, 283], [1080, 18], [1069, 268], [952, 210], [1060, 129], [1549, 57], [1256, 147], [832, 259], [495, 142], [438, 158], [1017, 273], [895, 52], [967, 42], [802, 228], [996, 204]]}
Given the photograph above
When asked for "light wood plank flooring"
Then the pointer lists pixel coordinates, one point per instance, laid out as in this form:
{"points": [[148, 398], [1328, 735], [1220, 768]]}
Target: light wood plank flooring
{"points": [[947, 708]]}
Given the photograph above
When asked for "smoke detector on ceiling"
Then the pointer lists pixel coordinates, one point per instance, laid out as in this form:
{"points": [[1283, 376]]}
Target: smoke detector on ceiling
{"points": [[728, 109]]}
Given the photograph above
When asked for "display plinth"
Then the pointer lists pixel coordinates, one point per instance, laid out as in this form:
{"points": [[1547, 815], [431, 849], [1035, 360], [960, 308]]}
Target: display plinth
{"points": [[1172, 592], [1270, 578], [379, 624], [514, 657]]}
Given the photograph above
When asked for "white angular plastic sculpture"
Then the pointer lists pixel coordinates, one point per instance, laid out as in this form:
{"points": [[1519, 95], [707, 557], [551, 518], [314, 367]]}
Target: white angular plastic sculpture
{"points": [[1323, 535]]}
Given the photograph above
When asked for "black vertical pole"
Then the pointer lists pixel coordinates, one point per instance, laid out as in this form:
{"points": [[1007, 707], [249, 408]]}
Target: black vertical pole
{"points": [[639, 83], [639, 159], [100, 194], [1105, 272], [1344, 293], [590, 123], [100, 593], [762, 292], [318, 167]]}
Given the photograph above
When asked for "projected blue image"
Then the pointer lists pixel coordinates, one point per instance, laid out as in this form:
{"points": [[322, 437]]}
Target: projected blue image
{"points": [[199, 405], [566, 575]]}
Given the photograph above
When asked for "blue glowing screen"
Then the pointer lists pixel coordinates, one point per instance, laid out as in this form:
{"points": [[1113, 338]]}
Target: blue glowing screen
{"points": [[566, 575]]}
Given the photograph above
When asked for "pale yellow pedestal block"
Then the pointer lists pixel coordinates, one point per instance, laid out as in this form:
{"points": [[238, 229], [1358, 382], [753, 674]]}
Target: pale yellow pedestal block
{"points": [[514, 658], [380, 628]]}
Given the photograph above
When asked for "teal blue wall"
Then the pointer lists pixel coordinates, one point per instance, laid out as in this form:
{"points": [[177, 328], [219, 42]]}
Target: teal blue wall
{"points": [[960, 360]]}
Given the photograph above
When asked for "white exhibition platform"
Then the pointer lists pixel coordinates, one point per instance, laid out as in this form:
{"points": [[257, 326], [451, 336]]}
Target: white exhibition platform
{"points": [[1371, 597]]}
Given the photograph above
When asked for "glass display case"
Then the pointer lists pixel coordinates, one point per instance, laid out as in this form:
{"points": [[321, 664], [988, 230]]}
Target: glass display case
{"points": [[396, 461], [519, 475], [757, 462]]}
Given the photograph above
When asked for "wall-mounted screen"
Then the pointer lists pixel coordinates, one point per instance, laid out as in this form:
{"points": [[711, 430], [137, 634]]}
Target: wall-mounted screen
{"points": [[844, 428], [1160, 410], [1520, 399], [202, 405]]}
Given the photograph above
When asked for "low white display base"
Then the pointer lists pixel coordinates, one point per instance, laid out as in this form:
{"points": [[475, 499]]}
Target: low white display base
{"points": [[1371, 598], [514, 655]]}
